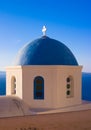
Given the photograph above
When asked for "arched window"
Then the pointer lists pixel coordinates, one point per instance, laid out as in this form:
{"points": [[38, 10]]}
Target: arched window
{"points": [[38, 87], [69, 87], [13, 85]]}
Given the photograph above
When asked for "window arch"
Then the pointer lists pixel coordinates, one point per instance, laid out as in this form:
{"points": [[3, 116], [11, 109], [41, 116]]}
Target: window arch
{"points": [[38, 87], [69, 87], [13, 85]]}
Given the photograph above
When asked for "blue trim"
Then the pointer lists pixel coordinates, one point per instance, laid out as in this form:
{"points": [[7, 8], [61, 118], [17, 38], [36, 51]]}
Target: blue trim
{"points": [[39, 93]]}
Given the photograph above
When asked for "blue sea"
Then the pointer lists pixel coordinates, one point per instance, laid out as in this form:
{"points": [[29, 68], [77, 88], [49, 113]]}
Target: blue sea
{"points": [[86, 85], [2, 83]]}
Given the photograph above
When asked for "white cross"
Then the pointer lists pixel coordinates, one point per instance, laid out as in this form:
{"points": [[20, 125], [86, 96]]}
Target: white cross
{"points": [[44, 30]]}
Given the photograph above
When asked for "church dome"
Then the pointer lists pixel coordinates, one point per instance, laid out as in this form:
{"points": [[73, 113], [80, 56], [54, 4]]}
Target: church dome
{"points": [[45, 51]]}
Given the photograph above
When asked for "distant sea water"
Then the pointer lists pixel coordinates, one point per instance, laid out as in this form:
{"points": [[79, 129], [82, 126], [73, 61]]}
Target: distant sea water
{"points": [[86, 85], [2, 83]]}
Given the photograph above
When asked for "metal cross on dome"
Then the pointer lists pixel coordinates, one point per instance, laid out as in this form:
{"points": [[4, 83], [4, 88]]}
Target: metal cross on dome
{"points": [[44, 30]]}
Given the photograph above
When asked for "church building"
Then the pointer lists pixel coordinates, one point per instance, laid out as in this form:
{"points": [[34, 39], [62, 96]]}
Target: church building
{"points": [[45, 74]]}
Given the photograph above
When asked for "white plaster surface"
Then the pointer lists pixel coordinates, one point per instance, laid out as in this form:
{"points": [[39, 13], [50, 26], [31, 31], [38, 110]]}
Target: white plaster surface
{"points": [[11, 106], [83, 106], [54, 84]]}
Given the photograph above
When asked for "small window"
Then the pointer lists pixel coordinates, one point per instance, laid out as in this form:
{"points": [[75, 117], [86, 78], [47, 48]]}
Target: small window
{"points": [[13, 85], [39, 88], [68, 92], [68, 79], [69, 87]]}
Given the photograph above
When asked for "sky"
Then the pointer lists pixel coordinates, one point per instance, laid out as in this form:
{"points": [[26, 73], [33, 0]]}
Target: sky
{"points": [[68, 21]]}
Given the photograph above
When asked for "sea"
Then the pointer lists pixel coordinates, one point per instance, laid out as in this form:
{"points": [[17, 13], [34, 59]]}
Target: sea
{"points": [[2, 83], [86, 85]]}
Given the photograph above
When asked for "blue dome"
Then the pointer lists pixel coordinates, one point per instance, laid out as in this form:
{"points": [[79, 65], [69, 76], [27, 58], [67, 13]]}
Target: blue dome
{"points": [[45, 51]]}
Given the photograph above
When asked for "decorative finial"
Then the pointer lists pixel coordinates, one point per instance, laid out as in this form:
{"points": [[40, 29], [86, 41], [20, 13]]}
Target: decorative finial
{"points": [[44, 30]]}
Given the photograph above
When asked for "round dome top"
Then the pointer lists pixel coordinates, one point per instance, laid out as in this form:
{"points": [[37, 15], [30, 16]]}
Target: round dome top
{"points": [[45, 51]]}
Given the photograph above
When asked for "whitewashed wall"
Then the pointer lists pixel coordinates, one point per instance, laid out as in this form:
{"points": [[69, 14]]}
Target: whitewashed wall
{"points": [[54, 85], [17, 73]]}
